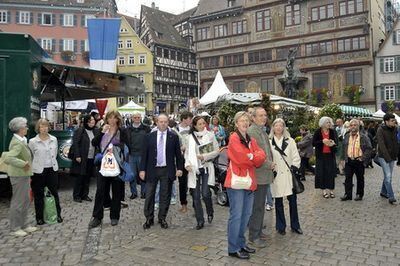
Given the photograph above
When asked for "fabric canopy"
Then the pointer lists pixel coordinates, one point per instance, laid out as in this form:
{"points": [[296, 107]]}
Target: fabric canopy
{"points": [[217, 89], [379, 114], [130, 108], [355, 111]]}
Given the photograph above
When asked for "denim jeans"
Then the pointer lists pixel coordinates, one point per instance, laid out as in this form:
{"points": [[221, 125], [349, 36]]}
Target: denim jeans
{"points": [[387, 177], [240, 209], [270, 199], [173, 194], [202, 190], [134, 162]]}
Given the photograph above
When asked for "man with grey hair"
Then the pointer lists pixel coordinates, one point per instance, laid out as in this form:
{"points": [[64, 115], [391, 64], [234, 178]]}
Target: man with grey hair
{"points": [[264, 175], [356, 153]]}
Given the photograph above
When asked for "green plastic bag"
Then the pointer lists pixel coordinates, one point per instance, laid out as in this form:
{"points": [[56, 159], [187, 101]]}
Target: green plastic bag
{"points": [[50, 210]]}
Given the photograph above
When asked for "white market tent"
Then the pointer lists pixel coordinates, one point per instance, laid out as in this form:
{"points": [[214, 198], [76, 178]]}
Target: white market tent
{"points": [[379, 114], [217, 89], [130, 108]]}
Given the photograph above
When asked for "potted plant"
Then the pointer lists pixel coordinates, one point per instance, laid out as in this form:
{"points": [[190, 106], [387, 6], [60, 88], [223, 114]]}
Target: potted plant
{"points": [[354, 93], [319, 96]]}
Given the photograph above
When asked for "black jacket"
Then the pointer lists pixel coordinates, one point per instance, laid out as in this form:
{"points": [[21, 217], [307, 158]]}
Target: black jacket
{"points": [[318, 144], [136, 138], [387, 143], [80, 147]]}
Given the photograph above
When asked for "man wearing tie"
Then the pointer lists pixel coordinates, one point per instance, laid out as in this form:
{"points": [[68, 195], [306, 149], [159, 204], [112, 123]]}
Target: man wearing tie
{"points": [[162, 162]]}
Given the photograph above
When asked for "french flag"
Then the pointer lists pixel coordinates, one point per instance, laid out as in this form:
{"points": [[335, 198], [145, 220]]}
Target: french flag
{"points": [[103, 43]]}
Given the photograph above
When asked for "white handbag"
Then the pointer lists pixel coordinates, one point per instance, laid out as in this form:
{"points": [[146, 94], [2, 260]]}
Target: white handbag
{"points": [[109, 165], [240, 182]]}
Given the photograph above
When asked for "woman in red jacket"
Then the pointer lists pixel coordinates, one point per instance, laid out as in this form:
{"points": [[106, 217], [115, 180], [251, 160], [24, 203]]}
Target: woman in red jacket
{"points": [[245, 155]]}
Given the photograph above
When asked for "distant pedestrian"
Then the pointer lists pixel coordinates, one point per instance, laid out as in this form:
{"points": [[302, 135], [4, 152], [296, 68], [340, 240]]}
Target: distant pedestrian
{"points": [[306, 151], [19, 161], [356, 154], [219, 131], [387, 154], [244, 155], [325, 143]]}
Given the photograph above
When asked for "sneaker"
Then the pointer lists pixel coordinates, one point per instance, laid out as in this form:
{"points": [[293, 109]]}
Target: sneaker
{"points": [[173, 201], [156, 205], [19, 232], [31, 229], [258, 243], [124, 204], [268, 207]]}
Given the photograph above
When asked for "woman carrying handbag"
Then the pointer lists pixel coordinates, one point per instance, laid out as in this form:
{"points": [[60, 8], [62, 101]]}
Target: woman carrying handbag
{"points": [[284, 152], [244, 155]]}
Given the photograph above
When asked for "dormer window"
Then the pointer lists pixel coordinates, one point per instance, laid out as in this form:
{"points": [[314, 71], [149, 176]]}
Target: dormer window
{"points": [[80, 1], [231, 3]]}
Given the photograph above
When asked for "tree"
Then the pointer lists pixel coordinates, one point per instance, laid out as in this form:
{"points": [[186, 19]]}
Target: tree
{"points": [[332, 110]]}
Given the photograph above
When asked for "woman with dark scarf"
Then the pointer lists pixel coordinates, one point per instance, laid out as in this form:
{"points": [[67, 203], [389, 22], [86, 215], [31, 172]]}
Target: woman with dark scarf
{"points": [[82, 158], [244, 155]]}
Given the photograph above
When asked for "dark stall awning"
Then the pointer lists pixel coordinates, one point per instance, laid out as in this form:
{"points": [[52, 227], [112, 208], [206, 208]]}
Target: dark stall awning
{"points": [[62, 82]]}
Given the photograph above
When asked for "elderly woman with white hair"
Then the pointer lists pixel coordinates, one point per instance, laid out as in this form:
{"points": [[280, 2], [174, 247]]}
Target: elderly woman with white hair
{"points": [[325, 142], [285, 155], [19, 161]]}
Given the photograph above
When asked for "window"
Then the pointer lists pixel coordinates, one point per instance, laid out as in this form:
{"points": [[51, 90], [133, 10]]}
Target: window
{"points": [[238, 86], [46, 44], [389, 64], [140, 98], [210, 62], [128, 43], [141, 78], [260, 56], [350, 7], [396, 35], [322, 12], [3, 16], [282, 53], [389, 93], [292, 15], [267, 85], [131, 60], [239, 27], [354, 77], [86, 45], [47, 19], [220, 30], [351, 44], [142, 59], [120, 44], [24, 17], [123, 30], [86, 17], [319, 48], [173, 55], [166, 53], [236, 59], [68, 20], [121, 60], [203, 34], [68, 45], [263, 20], [231, 3], [320, 80]]}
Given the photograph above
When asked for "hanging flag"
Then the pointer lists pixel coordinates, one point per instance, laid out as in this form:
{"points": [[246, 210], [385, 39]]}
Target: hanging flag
{"points": [[103, 43], [101, 106]]}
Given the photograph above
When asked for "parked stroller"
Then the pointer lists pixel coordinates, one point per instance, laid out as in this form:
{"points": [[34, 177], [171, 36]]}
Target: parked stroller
{"points": [[221, 166]]}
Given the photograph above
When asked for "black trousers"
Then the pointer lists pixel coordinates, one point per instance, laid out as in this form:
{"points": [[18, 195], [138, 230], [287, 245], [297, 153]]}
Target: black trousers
{"points": [[103, 194], [82, 182], [280, 214], [49, 179], [305, 165], [165, 194], [183, 187], [354, 167]]}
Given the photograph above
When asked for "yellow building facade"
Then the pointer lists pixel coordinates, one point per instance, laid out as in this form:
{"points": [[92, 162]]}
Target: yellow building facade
{"points": [[135, 58]]}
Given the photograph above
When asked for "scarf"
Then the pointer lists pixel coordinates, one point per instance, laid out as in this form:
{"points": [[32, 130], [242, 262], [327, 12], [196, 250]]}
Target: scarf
{"points": [[243, 140]]}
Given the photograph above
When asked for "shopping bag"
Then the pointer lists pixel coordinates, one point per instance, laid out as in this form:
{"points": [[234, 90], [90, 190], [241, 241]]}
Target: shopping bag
{"points": [[50, 210], [109, 165]]}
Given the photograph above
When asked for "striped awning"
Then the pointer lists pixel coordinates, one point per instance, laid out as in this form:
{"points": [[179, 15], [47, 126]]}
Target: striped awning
{"points": [[355, 111]]}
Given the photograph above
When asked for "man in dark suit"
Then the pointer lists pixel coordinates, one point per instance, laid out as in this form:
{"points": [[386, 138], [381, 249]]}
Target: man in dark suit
{"points": [[162, 162]]}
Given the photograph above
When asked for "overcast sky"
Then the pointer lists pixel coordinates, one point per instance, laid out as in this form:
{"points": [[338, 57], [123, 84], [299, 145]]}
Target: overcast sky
{"points": [[132, 7]]}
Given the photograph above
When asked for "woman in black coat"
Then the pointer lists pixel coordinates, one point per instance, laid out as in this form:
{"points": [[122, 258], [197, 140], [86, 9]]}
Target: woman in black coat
{"points": [[82, 158], [325, 142]]}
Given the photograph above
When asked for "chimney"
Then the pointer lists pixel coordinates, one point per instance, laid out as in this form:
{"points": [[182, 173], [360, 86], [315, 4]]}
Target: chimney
{"points": [[153, 5]]}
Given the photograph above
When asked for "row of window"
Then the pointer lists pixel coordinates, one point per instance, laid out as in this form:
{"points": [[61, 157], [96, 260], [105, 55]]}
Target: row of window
{"points": [[166, 89], [319, 81], [175, 55], [292, 17], [390, 93], [45, 19], [390, 64], [130, 60], [265, 55], [50, 45], [176, 74]]}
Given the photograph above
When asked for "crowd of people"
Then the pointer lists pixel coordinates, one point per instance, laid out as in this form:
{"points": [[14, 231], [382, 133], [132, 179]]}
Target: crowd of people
{"points": [[262, 160]]}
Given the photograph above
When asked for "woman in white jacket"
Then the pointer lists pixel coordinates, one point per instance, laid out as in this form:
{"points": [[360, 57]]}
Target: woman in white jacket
{"points": [[201, 150], [284, 148]]}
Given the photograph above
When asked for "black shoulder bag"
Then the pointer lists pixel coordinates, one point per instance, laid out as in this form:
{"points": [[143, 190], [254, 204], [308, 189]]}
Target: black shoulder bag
{"points": [[298, 186]]}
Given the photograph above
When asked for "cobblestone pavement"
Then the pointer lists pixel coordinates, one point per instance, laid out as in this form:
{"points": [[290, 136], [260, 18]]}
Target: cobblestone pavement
{"points": [[335, 233]]}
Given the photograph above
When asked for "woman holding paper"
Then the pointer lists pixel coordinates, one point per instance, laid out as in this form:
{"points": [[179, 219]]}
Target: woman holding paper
{"points": [[202, 149]]}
